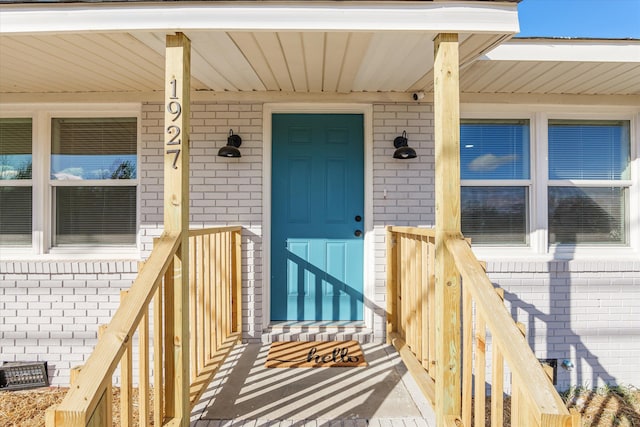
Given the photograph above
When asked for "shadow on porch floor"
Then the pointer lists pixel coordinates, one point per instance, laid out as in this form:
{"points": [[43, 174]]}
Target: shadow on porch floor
{"points": [[245, 393]]}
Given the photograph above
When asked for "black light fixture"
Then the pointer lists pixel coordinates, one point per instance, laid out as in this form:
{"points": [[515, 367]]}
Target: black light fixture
{"points": [[231, 149], [403, 151]]}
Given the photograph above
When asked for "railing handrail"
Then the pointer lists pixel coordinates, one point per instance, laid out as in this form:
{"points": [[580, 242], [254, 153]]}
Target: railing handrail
{"points": [[417, 231], [85, 394], [209, 230], [523, 364]]}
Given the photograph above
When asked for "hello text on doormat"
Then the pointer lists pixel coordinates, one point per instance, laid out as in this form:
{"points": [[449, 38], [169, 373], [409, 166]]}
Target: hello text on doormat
{"points": [[315, 354]]}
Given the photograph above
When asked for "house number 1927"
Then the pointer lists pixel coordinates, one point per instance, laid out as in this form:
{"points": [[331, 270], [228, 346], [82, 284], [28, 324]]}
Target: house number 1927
{"points": [[175, 109]]}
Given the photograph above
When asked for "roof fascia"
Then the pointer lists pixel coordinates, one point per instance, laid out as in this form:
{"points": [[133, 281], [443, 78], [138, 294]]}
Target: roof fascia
{"points": [[436, 17], [555, 50]]}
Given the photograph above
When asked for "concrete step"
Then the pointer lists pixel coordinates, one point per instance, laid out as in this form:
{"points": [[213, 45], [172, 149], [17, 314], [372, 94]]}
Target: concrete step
{"points": [[352, 422], [318, 331]]}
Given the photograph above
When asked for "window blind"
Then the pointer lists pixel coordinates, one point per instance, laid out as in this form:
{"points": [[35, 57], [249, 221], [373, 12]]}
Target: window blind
{"points": [[93, 148], [95, 215], [595, 150]]}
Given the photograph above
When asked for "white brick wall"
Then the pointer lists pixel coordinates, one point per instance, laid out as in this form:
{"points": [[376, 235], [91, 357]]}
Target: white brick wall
{"points": [[223, 191], [403, 190], [584, 312], [51, 310]]}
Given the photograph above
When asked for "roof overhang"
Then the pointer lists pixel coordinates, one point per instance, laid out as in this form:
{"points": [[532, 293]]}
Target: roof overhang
{"points": [[548, 66], [452, 16], [306, 47]]}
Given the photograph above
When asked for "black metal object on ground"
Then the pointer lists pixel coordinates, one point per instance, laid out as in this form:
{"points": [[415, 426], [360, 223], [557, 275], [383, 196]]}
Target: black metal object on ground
{"points": [[23, 375]]}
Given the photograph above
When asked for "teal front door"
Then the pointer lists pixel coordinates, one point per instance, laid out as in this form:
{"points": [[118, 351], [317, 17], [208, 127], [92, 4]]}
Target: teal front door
{"points": [[317, 217]]}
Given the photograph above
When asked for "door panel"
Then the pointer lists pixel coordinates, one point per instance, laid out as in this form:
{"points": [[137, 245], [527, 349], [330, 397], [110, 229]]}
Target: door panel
{"points": [[317, 192]]}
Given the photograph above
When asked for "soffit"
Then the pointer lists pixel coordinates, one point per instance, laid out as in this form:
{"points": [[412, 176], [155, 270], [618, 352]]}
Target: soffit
{"points": [[552, 66], [333, 54]]}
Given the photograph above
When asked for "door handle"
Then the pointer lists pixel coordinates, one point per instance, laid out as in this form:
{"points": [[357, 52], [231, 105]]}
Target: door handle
{"points": [[357, 233], [358, 218]]}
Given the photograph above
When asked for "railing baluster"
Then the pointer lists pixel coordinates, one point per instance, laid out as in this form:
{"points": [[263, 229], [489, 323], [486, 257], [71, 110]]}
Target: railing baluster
{"points": [[517, 419], [497, 387], [416, 303], [401, 284], [198, 346], [408, 292], [515, 404], [108, 391], [224, 306], [392, 268], [424, 302], [432, 307], [218, 291], [480, 371], [407, 289], [143, 369], [169, 330], [193, 307], [467, 355], [158, 377], [126, 380], [237, 280], [206, 285], [419, 297], [497, 380]]}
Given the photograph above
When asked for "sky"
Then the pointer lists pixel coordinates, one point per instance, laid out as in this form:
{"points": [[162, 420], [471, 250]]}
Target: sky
{"points": [[580, 18]]}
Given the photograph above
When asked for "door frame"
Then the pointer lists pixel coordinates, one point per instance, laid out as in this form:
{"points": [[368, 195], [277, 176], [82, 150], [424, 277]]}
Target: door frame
{"points": [[369, 259]]}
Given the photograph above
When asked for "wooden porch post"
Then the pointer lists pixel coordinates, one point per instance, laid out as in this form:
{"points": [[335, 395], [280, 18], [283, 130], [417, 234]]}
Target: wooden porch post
{"points": [[176, 210], [447, 184]]}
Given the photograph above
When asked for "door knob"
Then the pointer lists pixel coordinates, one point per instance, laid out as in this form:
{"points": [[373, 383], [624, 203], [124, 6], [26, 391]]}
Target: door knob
{"points": [[358, 218], [358, 233]]}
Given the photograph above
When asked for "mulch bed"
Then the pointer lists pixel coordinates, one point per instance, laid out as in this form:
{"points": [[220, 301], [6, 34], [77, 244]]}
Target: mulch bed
{"points": [[603, 407], [26, 408]]}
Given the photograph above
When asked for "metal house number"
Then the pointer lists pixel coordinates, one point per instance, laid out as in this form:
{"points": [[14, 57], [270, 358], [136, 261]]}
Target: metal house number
{"points": [[174, 108]]}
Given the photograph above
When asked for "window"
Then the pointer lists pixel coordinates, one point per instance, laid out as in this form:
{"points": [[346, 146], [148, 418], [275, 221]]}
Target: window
{"points": [[93, 180], [550, 183], [15, 182], [495, 180], [589, 179], [69, 181]]}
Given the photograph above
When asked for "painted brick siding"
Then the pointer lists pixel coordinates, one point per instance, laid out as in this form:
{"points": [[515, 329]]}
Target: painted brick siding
{"points": [[403, 190], [223, 191], [50, 310], [584, 312]]}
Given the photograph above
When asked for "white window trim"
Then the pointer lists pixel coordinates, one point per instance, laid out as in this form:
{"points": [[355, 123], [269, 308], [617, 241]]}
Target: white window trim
{"points": [[41, 116], [539, 115]]}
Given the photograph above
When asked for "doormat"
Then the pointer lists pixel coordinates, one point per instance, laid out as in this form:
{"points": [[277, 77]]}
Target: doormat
{"points": [[315, 354]]}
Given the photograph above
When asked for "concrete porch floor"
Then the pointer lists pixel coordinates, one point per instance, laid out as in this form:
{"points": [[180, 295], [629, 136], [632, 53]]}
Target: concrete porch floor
{"points": [[245, 393]]}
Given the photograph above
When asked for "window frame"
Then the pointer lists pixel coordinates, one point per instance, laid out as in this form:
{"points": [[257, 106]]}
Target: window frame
{"points": [[24, 182], [527, 183], [42, 116], [539, 116]]}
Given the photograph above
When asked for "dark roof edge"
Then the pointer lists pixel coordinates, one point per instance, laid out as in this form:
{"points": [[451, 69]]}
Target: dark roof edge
{"points": [[195, 1], [542, 38]]}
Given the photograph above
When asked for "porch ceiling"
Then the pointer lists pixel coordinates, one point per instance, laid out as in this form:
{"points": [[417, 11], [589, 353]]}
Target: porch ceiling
{"points": [[226, 61], [339, 47]]}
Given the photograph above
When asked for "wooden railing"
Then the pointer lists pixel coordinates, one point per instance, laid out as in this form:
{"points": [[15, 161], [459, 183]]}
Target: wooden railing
{"points": [[216, 324], [411, 328]]}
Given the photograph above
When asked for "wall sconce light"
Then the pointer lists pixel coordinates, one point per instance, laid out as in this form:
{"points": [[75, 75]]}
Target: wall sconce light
{"points": [[403, 151], [231, 149]]}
